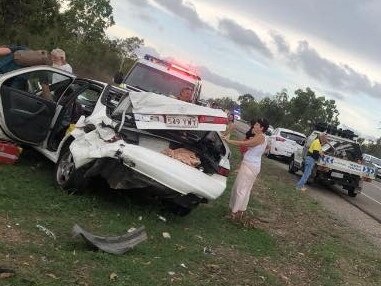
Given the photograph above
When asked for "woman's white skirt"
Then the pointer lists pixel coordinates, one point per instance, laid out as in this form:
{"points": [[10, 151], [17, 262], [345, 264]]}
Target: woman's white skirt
{"points": [[243, 184]]}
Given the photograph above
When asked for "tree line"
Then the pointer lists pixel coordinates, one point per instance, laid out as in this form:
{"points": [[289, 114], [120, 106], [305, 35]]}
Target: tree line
{"points": [[299, 112], [76, 26]]}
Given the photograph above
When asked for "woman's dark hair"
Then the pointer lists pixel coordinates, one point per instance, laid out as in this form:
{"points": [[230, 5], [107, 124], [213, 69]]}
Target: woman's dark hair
{"points": [[252, 122], [249, 133], [264, 123]]}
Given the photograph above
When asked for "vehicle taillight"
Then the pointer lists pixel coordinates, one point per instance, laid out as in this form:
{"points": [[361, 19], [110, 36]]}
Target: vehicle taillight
{"points": [[223, 171], [280, 139], [212, 119]]}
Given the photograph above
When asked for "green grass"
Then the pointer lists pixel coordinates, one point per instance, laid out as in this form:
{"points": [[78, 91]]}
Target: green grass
{"points": [[300, 244]]}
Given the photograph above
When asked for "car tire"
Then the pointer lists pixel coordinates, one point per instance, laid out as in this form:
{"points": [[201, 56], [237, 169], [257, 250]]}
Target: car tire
{"points": [[291, 167], [180, 210], [351, 192], [68, 178]]}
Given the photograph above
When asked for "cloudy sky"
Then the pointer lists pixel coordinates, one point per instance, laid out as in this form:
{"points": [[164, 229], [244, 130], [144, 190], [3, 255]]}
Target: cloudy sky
{"points": [[262, 46]]}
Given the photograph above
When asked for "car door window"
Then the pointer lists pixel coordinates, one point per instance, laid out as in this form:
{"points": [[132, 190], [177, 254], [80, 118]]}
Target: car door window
{"points": [[83, 94], [28, 106], [88, 99], [41, 83]]}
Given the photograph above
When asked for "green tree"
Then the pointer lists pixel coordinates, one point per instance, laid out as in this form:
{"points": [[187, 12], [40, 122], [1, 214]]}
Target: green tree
{"points": [[305, 110], [77, 26], [29, 22], [88, 19], [299, 113], [249, 106], [272, 111], [245, 99], [373, 148], [126, 49], [225, 103]]}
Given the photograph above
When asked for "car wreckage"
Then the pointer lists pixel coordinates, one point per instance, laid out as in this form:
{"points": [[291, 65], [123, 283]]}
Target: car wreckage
{"points": [[134, 140]]}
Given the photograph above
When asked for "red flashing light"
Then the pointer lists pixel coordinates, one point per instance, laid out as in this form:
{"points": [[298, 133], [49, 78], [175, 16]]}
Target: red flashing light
{"points": [[280, 139], [179, 68], [212, 119], [223, 171]]}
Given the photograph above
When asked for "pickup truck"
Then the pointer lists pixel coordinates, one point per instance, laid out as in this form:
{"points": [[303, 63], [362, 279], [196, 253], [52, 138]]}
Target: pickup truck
{"points": [[341, 164]]}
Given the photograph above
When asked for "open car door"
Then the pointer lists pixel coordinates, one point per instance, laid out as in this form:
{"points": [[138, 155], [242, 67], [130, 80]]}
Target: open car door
{"points": [[28, 102]]}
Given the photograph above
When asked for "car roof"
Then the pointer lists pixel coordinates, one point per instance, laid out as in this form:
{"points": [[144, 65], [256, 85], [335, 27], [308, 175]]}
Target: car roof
{"points": [[192, 78]]}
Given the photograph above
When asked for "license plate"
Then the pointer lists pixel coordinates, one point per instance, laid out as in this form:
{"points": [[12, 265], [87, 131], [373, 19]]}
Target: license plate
{"points": [[337, 175], [181, 121]]}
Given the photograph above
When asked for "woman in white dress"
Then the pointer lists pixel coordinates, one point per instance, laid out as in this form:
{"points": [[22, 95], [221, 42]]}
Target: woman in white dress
{"points": [[249, 169]]}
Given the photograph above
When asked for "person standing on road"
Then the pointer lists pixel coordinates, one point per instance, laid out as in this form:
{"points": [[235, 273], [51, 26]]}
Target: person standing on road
{"points": [[249, 169], [313, 154]]}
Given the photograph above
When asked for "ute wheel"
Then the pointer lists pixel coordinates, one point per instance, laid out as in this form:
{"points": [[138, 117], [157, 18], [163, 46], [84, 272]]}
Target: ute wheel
{"points": [[351, 192], [69, 178], [291, 166], [180, 210]]}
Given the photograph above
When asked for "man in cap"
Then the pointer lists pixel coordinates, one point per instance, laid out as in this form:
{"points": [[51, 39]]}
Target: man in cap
{"points": [[313, 154]]}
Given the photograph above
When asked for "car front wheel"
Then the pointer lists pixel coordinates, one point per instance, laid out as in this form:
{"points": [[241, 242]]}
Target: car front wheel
{"points": [[291, 167], [68, 177], [269, 155]]}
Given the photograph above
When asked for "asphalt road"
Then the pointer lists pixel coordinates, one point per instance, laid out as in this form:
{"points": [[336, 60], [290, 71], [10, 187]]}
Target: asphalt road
{"points": [[369, 201]]}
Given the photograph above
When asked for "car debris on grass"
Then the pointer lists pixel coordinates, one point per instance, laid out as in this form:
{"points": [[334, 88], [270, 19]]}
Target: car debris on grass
{"points": [[112, 244]]}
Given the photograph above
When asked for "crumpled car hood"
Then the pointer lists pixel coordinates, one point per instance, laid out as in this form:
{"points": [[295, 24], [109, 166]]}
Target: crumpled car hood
{"points": [[152, 103], [151, 108]]}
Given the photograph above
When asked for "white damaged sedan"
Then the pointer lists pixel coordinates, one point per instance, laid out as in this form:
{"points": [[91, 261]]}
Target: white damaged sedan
{"points": [[134, 140]]}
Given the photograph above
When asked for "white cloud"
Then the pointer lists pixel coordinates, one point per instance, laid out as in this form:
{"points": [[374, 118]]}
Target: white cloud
{"points": [[358, 118], [243, 37], [183, 10]]}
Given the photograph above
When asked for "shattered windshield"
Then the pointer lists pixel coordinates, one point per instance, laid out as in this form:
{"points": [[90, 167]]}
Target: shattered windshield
{"points": [[152, 80]]}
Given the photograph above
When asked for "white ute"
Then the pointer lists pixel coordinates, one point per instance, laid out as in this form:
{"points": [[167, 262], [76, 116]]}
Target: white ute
{"points": [[341, 165], [123, 138]]}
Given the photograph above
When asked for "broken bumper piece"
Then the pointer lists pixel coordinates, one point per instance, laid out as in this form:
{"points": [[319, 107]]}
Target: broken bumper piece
{"points": [[112, 244]]}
